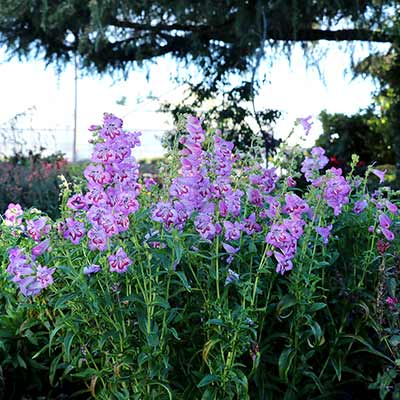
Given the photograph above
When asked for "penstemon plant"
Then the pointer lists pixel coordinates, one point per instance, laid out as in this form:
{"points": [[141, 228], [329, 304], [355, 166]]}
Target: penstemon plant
{"points": [[220, 279]]}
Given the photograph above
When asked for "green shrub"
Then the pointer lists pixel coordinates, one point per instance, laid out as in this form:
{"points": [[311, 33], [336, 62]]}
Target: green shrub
{"points": [[32, 181]]}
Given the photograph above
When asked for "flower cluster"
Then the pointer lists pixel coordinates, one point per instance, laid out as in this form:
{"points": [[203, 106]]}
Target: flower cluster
{"points": [[31, 277], [283, 236], [311, 165], [392, 303], [204, 188], [385, 222], [13, 215], [189, 191], [337, 190], [38, 228], [113, 187], [212, 192], [306, 124]]}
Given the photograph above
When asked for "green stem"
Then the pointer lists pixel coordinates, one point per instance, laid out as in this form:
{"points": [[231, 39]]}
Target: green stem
{"points": [[217, 266]]}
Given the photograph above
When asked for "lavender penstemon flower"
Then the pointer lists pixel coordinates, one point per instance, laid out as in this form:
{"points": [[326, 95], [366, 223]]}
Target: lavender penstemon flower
{"points": [[119, 262], [324, 232], [232, 277], [311, 165], [231, 251], [13, 215], [91, 269], [385, 223], [306, 124], [379, 174], [74, 230], [30, 277], [359, 206], [40, 249], [38, 228]]}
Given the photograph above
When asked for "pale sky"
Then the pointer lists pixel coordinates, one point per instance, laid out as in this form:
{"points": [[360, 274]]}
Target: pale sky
{"points": [[293, 89]]}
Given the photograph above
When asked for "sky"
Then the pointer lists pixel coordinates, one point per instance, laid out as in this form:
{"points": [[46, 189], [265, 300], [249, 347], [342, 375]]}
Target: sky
{"points": [[291, 87]]}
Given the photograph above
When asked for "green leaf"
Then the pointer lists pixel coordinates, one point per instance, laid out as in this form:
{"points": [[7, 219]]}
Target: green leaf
{"points": [[53, 368], [210, 378], [142, 358], [316, 331], [337, 366], [63, 301], [21, 361], [153, 340], [285, 303], [37, 354], [395, 340], [316, 380], [178, 252], [174, 333], [317, 306], [89, 372], [285, 361], [391, 284], [215, 321], [161, 302], [182, 277], [67, 345], [53, 333], [368, 348]]}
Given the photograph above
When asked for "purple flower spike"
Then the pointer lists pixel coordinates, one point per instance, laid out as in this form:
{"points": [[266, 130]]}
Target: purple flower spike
{"points": [[17, 261], [204, 226], [77, 202], [111, 127], [232, 230], [97, 239], [250, 225], [28, 285], [149, 183], [317, 161], [337, 191], [295, 205]]}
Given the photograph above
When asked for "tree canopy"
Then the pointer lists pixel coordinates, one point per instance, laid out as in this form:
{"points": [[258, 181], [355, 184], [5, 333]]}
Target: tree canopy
{"points": [[218, 35], [372, 133]]}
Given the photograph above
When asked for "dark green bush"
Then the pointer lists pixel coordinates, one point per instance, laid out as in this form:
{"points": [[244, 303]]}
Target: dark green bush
{"points": [[32, 181]]}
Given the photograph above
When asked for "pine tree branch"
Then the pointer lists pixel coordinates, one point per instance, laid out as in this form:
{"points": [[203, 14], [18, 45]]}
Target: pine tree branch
{"points": [[219, 32]]}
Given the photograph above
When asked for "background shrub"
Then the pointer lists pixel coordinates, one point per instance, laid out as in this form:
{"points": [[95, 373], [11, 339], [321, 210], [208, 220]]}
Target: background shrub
{"points": [[32, 181]]}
